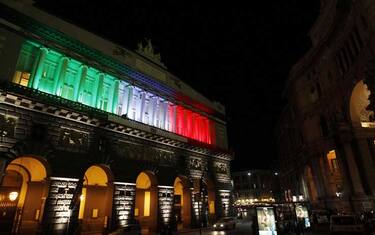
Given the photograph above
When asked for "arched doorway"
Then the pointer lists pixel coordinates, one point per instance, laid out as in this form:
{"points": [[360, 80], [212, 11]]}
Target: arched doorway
{"points": [[146, 201], [23, 193], [182, 202], [96, 199]]}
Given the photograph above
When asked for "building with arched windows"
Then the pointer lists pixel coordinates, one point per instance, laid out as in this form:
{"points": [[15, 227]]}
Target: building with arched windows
{"points": [[93, 135], [326, 134]]}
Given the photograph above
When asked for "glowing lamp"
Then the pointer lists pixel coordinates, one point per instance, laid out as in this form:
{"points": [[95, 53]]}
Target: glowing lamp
{"points": [[82, 197], [13, 196]]}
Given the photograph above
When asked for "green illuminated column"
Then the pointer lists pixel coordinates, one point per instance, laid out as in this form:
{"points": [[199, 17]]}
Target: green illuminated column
{"points": [[60, 75], [99, 90], [39, 69], [130, 100], [80, 81], [115, 96], [110, 94]]}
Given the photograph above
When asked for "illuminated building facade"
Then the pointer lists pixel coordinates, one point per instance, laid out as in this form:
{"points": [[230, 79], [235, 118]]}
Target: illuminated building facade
{"points": [[326, 131], [255, 186], [94, 135]]}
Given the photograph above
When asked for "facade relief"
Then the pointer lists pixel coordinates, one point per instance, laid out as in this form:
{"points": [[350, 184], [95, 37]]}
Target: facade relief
{"points": [[145, 153], [73, 139], [197, 167], [7, 125], [222, 171]]}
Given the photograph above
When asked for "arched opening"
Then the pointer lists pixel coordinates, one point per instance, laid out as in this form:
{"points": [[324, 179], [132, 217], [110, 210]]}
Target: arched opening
{"points": [[96, 199], [23, 193], [182, 202], [312, 190], [146, 201], [358, 103]]}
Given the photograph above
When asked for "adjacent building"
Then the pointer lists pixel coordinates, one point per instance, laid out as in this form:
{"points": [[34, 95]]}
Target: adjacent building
{"points": [[93, 135], [326, 132], [255, 186]]}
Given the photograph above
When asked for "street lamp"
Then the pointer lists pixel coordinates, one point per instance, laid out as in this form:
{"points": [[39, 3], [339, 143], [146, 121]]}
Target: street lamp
{"points": [[13, 196]]}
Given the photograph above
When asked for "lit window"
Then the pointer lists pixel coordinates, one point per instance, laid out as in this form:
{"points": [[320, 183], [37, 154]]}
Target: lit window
{"points": [[332, 161], [21, 78]]}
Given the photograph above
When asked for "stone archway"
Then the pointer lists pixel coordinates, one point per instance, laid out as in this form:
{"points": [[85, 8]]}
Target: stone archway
{"points": [[146, 201], [182, 202], [96, 199], [24, 187], [359, 100]]}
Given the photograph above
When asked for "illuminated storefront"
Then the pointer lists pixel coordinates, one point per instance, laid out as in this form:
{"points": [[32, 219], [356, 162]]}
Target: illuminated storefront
{"points": [[94, 135]]}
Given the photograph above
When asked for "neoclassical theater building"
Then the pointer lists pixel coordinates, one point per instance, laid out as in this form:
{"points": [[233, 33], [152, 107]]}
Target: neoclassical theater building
{"points": [[326, 134], [93, 135]]}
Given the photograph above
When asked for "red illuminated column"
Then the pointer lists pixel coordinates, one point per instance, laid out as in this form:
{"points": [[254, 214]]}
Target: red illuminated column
{"points": [[212, 132], [189, 124], [179, 116], [171, 122], [196, 127]]}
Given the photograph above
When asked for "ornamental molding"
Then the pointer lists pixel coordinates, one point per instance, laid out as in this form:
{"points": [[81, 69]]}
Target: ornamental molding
{"points": [[101, 120]]}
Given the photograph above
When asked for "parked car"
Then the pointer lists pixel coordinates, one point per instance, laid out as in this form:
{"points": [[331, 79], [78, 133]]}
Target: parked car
{"points": [[225, 223], [131, 229], [346, 223]]}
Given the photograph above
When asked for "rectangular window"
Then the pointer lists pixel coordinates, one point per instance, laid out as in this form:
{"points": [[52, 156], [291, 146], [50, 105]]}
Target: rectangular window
{"points": [[212, 207], [332, 161], [21, 78], [146, 211]]}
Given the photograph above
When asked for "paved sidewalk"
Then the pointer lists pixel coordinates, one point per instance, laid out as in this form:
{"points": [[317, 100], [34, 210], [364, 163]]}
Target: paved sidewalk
{"points": [[195, 230]]}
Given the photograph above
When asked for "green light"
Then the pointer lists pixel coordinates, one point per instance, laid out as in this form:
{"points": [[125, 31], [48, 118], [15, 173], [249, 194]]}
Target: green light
{"points": [[54, 73]]}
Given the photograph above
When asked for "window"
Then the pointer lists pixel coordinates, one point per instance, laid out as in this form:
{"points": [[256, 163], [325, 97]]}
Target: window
{"points": [[21, 78], [334, 164], [67, 91], [332, 161]]}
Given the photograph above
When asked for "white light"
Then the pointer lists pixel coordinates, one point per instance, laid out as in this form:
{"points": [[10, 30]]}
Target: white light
{"points": [[248, 173], [221, 225], [82, 197], [13, 196], [294, 198], [276, 173], [300, 197], [214, 225]]}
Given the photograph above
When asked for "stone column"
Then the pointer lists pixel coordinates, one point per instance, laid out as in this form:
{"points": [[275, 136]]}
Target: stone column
{"points": [[353, 170], [367, 163], [123, 204], [62, 206], [60, 75], [39, 69], [99, 89], [80, 81], [318, 178], [165, 199], [115, 92]]}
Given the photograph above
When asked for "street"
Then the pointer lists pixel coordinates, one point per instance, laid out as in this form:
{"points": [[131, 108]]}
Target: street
{"points": [[244, 227]]}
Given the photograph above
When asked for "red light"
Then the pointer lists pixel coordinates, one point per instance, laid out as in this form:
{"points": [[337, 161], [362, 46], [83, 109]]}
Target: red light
{"points": [[192, 125]]}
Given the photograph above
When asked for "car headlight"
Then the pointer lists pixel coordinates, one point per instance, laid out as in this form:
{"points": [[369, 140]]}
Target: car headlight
{"points": [[221, 225], [214, 225]]}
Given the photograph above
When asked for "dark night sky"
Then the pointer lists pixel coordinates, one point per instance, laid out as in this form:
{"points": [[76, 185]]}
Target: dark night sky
{"points": [[238, 54]]}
